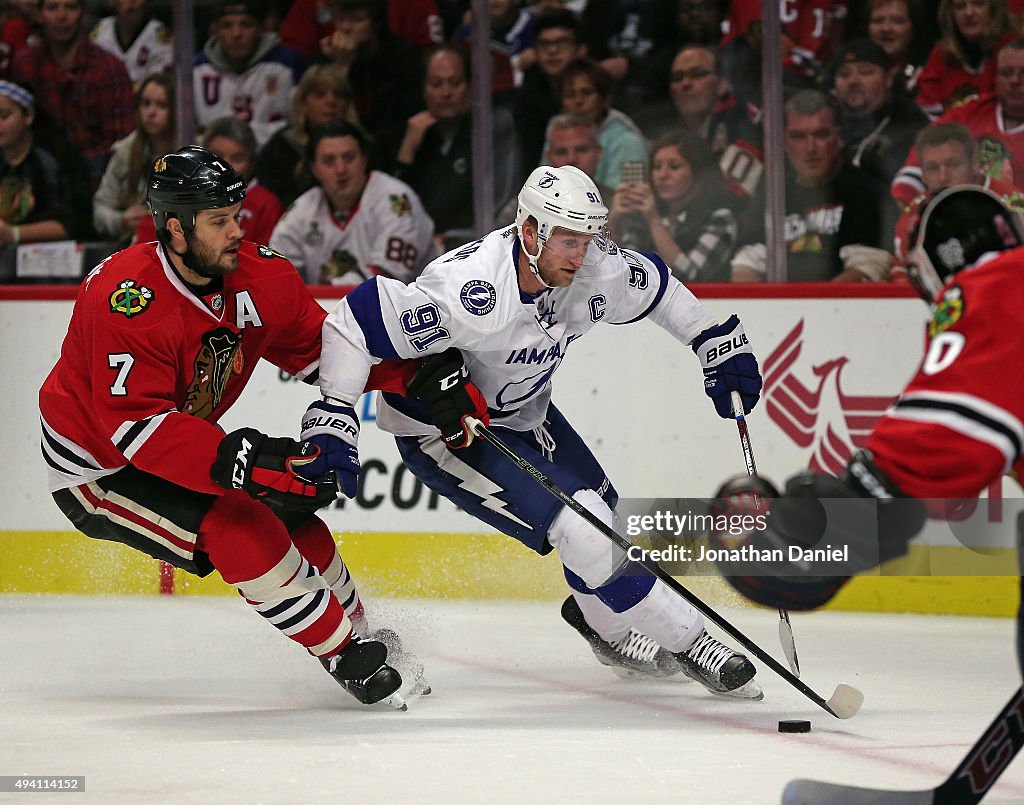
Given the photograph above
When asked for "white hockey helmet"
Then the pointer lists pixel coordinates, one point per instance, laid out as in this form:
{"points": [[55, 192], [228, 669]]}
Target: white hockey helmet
{"points": [[564, 197], [554, 197]]}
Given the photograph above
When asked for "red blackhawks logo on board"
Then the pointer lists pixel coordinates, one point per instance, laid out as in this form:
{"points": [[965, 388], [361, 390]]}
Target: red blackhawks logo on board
{"points": [[809, 404]]}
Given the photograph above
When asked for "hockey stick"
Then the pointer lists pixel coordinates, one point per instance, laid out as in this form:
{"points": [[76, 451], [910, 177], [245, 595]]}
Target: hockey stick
{"points": [[969, 783], [785, 627], [844, 702]]}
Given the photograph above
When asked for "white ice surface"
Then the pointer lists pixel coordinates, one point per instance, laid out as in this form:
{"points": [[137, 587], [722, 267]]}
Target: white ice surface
{"points": [[197, 700]]}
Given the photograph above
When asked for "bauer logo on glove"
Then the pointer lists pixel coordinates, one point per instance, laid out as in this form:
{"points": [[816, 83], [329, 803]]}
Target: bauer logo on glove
{"points": [[729, 365]]}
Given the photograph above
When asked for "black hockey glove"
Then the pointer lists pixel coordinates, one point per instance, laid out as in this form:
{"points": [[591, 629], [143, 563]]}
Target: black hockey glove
{"points": [[443, 383], [729, 365], [268, 470], [798, 549]]}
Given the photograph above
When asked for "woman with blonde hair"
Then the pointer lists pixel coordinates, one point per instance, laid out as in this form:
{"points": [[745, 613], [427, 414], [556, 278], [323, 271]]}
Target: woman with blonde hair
{"points": [[963, 62], [119, 203], [323, 95]]}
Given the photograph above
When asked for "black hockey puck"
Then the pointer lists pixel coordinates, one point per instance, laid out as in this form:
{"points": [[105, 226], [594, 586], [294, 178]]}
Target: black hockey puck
{"points": [[794, 726]]}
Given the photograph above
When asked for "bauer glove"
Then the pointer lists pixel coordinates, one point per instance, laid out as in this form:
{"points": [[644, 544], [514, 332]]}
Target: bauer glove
{"points": [[729, 365], [443, 383], [268, 470], [334, 429]]}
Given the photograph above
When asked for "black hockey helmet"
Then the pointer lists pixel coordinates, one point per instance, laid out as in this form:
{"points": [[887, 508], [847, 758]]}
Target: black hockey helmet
{"points": [[956, 227], [190, 179]]}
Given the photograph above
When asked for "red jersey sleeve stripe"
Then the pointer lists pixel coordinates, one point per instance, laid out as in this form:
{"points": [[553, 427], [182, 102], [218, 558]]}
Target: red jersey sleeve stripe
{"points": [[965, 414]]}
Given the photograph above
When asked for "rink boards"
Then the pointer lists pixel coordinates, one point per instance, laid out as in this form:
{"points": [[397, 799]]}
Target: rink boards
{"points": [[831, 366]]}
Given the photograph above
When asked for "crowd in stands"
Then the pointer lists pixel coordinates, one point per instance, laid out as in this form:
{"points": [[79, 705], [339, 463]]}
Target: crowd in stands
{"points": [[352, 122]]}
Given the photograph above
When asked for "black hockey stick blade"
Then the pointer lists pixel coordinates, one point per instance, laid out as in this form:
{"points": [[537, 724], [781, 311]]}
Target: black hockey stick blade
{"points": [[844, 702], [971, 780]]}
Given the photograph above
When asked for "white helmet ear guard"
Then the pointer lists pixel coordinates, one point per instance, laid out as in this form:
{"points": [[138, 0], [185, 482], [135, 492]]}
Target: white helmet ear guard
{"points": [[559, 197]]}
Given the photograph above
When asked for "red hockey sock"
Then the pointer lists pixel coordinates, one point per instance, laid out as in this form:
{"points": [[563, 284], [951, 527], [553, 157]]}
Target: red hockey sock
{"points": [[252, 550], [315, 542]]}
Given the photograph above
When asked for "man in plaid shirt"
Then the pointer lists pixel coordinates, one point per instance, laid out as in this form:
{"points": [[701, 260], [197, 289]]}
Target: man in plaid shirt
{"points": [[85, 89]]}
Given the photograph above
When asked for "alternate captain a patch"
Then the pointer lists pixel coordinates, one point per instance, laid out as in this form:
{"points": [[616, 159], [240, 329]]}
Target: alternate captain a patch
{"points": [[130, 299], [948, 311], [478, 297]]}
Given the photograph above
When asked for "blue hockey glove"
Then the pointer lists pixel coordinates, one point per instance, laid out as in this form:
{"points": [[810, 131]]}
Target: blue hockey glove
{"points": [[334, 429], [729, 365]]}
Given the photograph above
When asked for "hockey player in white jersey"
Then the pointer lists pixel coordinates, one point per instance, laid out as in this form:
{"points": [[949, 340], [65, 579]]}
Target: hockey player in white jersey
{"points": [[512, 303]]}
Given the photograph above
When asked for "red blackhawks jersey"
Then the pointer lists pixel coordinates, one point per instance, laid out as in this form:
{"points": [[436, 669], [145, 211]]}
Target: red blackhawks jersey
{"points": [[148, 366], [806, 39], [945, 82], [1000, 149], [957, 426]]}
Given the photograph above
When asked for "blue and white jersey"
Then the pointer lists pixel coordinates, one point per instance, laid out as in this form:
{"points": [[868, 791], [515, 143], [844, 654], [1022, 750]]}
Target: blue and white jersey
{"points": [[512, 342]]}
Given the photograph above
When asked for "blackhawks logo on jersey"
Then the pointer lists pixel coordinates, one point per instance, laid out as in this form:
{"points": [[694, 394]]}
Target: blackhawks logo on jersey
{"points": [[130, 299], [218, 358], [400, 205], [948, 312]]}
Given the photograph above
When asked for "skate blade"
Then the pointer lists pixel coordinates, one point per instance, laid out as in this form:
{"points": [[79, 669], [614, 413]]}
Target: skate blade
{"points": [[640, 676], [395, 701], [749, 690]]}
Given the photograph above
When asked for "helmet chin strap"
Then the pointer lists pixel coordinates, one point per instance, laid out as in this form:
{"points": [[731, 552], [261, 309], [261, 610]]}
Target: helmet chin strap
{"points": [[532, 260]]}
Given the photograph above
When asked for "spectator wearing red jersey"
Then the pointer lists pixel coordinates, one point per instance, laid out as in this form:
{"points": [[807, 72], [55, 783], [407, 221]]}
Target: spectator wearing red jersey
{"points": [[309, 21], [808, 31], [962, 63], [949, 157], [996, 122], [15, 30], [85, 90]]}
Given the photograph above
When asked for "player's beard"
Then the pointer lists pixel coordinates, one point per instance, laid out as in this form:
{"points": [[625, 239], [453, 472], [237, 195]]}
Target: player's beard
{"points": [[553, 277], [205, 262]]}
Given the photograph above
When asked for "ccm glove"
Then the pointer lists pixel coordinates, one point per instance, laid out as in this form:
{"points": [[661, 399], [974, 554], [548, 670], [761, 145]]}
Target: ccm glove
{"points": [[268, 470], [729, 365], [334, 429], [443, 383]]}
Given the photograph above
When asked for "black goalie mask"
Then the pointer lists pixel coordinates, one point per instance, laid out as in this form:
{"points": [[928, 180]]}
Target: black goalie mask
{"points": [[956, 227]]}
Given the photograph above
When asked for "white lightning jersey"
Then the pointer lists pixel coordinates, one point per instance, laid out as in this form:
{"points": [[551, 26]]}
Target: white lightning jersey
{"points": [[150, 52], [388, 232], [512, 343]]}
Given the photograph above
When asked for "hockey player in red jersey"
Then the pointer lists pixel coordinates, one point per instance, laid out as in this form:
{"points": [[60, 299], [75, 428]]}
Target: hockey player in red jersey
{"points": [[956, 428], [163, 338]]}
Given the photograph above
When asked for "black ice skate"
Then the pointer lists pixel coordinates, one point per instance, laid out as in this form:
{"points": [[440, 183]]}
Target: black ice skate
{"points": [[407, 663], [720, 669], [361, 669], [636, 656]]}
